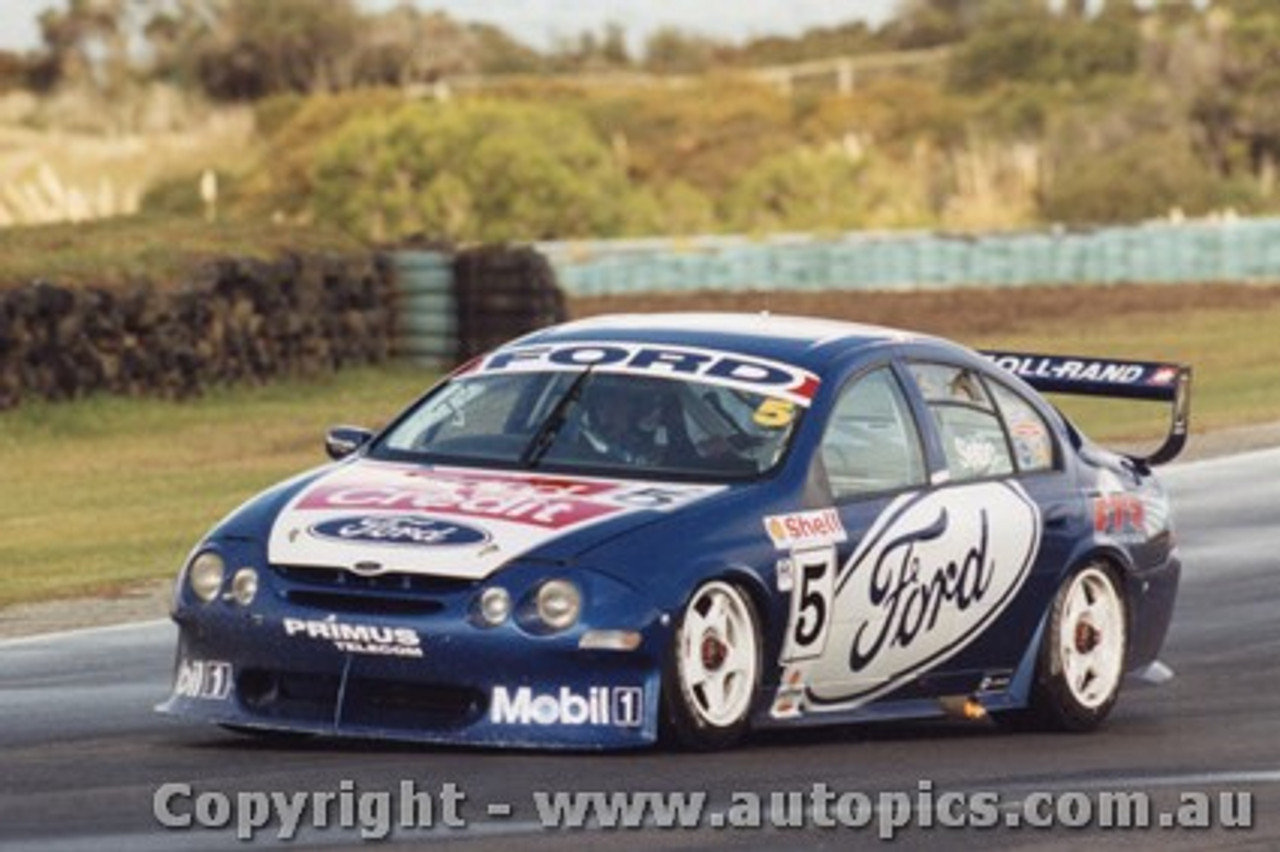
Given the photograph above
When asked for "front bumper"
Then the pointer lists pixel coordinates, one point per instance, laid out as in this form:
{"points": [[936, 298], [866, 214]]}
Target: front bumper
{"points": [[351, 670]]}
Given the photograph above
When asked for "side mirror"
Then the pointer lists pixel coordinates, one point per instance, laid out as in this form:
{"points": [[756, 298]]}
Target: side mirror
{"points": [[342, 441]]}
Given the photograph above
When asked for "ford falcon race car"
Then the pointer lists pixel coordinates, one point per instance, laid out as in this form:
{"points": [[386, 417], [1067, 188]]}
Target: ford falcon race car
{"points": [[693, 525]]}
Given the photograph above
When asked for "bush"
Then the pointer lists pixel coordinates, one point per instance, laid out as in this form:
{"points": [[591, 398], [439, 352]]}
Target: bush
{"points": [[805, 190], [1038, 48], [1144, 177], [295, 129], [488, 171]]}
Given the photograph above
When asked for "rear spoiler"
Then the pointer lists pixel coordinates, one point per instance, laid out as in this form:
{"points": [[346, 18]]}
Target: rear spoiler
{"points": [[1159, 382]]}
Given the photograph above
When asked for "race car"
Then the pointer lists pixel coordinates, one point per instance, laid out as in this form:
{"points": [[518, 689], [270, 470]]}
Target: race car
{"points": [[684, 527]]}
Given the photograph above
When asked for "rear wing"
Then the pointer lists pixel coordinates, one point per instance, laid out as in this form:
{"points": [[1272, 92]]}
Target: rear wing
{"points": [[1159, 382]]}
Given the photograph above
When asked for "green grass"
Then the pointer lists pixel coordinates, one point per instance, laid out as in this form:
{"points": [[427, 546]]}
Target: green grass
{"points": [[162, 250], [1234, 354], [102, 493]]}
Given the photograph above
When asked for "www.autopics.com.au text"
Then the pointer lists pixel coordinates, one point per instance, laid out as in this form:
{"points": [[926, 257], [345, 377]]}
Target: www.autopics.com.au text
{"points": [[378, 814]]}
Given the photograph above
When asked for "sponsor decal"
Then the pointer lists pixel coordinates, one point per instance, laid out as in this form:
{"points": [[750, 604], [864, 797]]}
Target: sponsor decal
{"points": [[774, 413], [416, 531], [427, 510], [810, 622], [1127, 516], [621, 706], [205, 679], [801, 529], [468, 496], [758, 375], [1072, 369], [358, 638], [1120, 515], [976, 455], [789, 701], [785, 573], [931, 574], [528, 501]]}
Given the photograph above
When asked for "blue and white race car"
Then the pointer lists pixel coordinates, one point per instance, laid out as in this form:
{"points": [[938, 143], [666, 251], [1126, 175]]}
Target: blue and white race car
{"points": [[693, 525]]}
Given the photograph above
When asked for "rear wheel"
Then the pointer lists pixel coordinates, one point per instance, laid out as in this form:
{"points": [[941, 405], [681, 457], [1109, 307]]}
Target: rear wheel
{"points": [[713, 668], [1082, 654]]}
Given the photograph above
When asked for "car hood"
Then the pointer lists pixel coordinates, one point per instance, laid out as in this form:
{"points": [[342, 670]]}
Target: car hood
{"points": [[374, 517]]}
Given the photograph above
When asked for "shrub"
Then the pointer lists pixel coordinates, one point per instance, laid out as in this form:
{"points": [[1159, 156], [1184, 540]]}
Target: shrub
{"points": [[480, 170]]}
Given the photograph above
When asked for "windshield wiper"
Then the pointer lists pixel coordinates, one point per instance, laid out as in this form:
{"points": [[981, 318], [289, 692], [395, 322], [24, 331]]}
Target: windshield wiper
{"points": [[542, 440]]}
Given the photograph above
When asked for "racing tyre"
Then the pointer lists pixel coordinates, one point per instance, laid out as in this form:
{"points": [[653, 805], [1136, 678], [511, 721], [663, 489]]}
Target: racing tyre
{"points": [[713, 669], [1082, 654]]}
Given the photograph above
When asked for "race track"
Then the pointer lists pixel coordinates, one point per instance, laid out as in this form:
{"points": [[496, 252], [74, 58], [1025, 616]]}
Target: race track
{"points": [[83, 755]]}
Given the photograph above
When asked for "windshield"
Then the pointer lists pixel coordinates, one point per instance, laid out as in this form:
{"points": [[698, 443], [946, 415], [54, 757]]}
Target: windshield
{"points": [[597, 422]]}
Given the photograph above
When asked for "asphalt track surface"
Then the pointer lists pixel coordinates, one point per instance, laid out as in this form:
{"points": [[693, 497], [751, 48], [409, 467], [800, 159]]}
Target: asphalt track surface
{"points": [[82, 755]]}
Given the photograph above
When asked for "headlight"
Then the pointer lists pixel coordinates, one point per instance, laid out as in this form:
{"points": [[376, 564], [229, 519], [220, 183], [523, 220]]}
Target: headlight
{"points": [[495, 605], [244, 586], [559, 603], [205, 575]]}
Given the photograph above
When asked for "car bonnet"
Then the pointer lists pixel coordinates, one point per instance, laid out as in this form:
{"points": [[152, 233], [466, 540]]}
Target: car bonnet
{"points": [[375, 517]]}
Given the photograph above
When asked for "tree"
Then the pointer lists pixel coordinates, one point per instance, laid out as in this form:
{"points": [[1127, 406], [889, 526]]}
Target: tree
{"points": [[669, 50], [1144, 177], [258, 48], [499, 53], [1238, 106], [405, 46], [1033, 46], [930, 23], [88, 42]]}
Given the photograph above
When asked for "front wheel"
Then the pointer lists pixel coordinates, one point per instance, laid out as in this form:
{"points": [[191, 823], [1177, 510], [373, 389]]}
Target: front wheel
{"points": [[713, 668], [1082, 654]]}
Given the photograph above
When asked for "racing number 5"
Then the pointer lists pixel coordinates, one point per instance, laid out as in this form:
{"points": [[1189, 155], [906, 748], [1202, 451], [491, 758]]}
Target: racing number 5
{"points": [[810, 603]]}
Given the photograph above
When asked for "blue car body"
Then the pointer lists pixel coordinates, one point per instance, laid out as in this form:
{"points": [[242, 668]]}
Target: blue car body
{"points": [[360, 609]]}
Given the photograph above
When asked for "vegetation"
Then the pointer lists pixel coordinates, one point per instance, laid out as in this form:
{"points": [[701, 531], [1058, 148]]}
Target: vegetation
{"points": [[106, 492], [958, 115], [159, 250], [329, 127], [487, 171]]}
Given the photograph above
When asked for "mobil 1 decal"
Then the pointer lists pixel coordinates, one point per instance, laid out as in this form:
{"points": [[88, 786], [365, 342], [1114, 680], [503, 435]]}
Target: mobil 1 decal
{"points": [[933, 571]]}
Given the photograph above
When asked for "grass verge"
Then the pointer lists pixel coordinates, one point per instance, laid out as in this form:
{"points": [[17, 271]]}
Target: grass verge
{"points": [[105, 492], [163, 250]]}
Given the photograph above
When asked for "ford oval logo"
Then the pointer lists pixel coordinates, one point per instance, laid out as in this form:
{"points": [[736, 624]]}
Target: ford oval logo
{"points": [[413, 531]]}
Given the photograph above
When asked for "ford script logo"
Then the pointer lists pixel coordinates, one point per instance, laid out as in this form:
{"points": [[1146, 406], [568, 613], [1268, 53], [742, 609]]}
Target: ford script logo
{"points": [[414, 531], [929, 576]]}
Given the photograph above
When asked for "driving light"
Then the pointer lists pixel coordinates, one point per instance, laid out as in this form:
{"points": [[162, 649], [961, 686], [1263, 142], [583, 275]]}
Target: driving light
{"points": [[244, 586], [559, 603], [495, 605], [206, 574]]}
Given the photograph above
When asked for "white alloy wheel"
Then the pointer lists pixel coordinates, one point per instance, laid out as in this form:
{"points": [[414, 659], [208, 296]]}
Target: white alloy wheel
{"points": [[1080, 664], [1091, 638], [716, 667]]}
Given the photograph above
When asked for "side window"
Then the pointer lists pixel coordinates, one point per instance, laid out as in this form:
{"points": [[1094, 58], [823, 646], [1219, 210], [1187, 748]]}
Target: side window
{"points": [[1030, 435], [871, 444], [972, 435]]}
